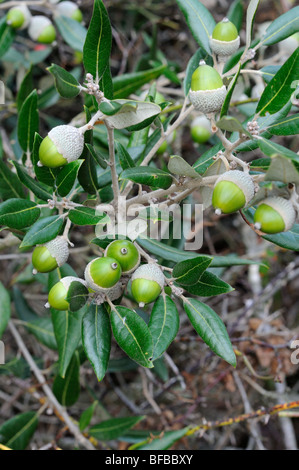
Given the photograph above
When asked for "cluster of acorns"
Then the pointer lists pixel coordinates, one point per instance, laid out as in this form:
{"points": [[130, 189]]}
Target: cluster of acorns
{"points": [[234, 190], [104, 276], [40, 28]]}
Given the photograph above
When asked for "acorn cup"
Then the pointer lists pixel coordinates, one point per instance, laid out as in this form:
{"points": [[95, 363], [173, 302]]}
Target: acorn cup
{"points": [[232, 191], [207, 92], [51, 255], [70, 10], [147, 283], [63, 144], [70, 293], [126, 253], [41, 30], [18, 17], [101, 274], [225, 39], [274, 215]]}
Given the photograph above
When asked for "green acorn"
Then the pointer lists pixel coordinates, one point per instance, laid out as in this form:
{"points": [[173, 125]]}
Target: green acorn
{"points": [[126, 253], [225, 39], [207, 92], [102, 273], [59, 292], [42, 30], [63, 145], [274, 215], [69, 9], [46, 258], [232, 191], [147, 283], [18, 17], [200, 129]]}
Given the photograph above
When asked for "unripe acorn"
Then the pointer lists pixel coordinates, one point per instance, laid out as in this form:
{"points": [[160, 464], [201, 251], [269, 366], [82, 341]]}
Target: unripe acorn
{"points": [[42, 30], [126, 253], [274, 215], [102, 273], [232, 191], [225, 39], [46, 258], [18, 17], [207, 92], [69, 9], [63, 145], [147, 283], [59, 292], [200, 129]]}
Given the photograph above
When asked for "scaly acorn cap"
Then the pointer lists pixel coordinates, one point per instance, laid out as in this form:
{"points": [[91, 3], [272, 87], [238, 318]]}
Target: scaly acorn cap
{"points": [[58, 293], [52, 254], [63, 144], [274, 215], [101, 274], [207, 93], [18, 17], [41, 29], [154, 282], [232, 191], [225, 39], [69, 9]]}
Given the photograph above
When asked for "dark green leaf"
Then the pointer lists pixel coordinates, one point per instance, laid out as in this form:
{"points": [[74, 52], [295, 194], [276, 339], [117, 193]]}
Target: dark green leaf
{"points": [[7, 35], [210, 328], [77, 296], [67, 176], [209, 285], [199, 20], [132, 335], [166, 441], [25, 88], [17, 431], [31, 183], [230, 90], [4, 309], [126, 84], [97, 46], [113, 428], [67, 389], [66, 84], [282, 27], [10, 185], [18, 213], [28, 122], [286, 126], [95, 155], [87, 415], [87, 216], [273, 149], [67, 329], [96, 338], [147, 175], [164, 324], [72, 32], [43, 231], [125, 158], [188, 272], [235, 13], [279, 90]]}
